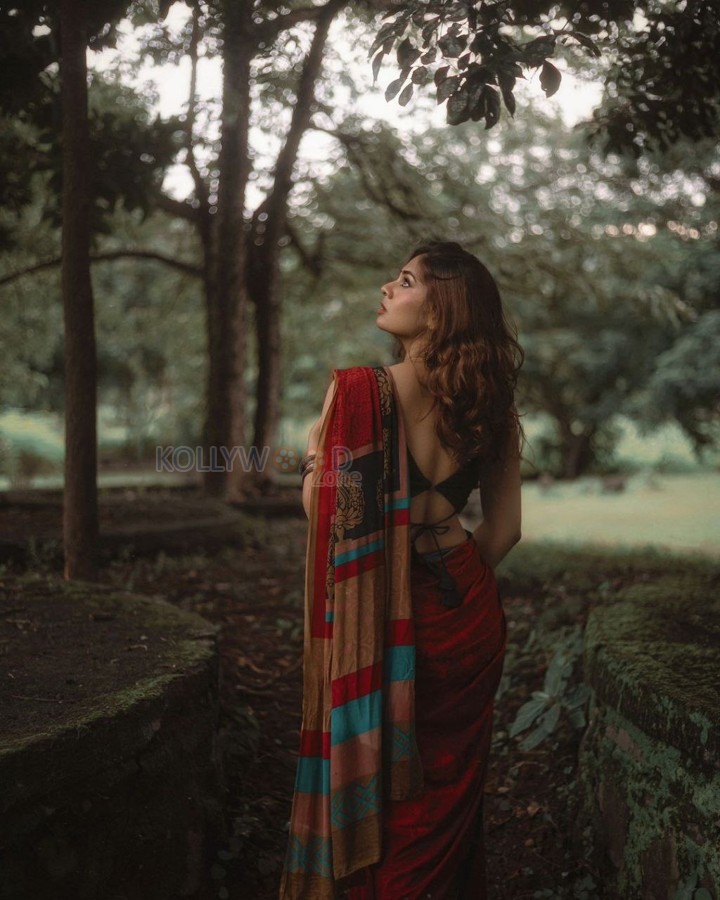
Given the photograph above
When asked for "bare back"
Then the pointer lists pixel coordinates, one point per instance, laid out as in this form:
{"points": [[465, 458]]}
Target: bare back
{"points": [[433, 459]]}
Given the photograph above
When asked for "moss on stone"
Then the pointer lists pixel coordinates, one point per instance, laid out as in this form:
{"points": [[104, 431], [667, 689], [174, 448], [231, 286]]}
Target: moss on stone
{"points": [[76, 628], [652, 812], [655, 657]]}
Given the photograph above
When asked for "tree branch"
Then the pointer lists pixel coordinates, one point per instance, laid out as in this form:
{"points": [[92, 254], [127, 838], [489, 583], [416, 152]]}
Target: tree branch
{"points": [[185, 268], [302, 112], [179, 208], [376, 190], [311, 260], [200, 187]]}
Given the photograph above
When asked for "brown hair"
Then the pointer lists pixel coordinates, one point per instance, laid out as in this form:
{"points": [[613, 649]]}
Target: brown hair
{"points": [[472, 354]]}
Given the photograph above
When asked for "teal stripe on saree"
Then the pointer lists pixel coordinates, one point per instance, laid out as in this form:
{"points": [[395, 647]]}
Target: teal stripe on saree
{"points": [[356, 623]]}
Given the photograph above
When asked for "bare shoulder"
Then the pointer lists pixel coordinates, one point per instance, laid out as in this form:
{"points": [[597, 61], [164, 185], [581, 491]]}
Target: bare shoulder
{"points": [[406, 379]]}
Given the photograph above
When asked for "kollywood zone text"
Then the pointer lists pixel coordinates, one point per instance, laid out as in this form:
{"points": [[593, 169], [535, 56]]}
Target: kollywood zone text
{"points": [[224, 459]]}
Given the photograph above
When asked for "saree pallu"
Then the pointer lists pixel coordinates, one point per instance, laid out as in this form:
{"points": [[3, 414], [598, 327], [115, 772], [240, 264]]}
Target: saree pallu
{"points": [[433, 845], [357, 739]]}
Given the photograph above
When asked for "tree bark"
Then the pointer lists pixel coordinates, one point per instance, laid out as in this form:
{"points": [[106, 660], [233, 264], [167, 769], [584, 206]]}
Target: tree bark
{"points": [[80, 505], [577, 451], [226, 253], [269, 225]]}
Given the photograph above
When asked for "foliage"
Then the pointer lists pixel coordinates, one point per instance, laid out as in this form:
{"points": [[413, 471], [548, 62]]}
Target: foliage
{"points": [[151, 341], [545, 707], [30, 45], [149, 322], [663, 82], [689, 890], [685, 385], [607, 265], [590, 255], [129, 151], [31, 324], [28, 447]]}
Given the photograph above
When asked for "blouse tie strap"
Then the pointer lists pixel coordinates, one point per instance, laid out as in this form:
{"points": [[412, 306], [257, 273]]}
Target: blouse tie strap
{"points": [[450, 595]]}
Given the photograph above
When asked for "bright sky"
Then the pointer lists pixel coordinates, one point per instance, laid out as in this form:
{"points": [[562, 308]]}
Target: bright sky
{"points": [[573, 101]]}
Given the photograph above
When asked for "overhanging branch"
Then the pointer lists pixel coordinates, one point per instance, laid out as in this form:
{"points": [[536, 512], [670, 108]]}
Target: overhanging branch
{"points": [[305, 94], [179, 208], [185, 268]]}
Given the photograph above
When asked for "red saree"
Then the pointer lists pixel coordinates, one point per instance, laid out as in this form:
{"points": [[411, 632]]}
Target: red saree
{"points": [[397, 688], [433, 845]]}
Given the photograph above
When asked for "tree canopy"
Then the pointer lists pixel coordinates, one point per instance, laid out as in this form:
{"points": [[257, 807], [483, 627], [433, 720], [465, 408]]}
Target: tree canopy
{"points": [[662, 66]]}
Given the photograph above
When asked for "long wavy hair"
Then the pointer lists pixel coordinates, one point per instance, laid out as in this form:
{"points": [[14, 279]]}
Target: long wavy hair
{"points": [[471, 352]]}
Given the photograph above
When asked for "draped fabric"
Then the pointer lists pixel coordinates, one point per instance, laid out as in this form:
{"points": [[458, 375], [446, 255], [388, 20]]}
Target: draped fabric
{"points": [[433, 844], [358, 748]]}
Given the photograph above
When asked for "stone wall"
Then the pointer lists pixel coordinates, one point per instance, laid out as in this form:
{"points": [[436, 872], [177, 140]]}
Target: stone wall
{"points": [[650, 758], [117, 793]]}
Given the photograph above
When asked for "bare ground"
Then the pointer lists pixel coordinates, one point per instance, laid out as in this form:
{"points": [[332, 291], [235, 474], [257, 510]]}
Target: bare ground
{"points": [[254, 591]]}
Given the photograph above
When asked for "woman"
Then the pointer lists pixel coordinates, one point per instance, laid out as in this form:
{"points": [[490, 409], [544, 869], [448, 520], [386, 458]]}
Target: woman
{"points": [[404, 629]]}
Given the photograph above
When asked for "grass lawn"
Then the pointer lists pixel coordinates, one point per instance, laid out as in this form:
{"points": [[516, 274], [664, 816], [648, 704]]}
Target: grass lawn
{"points": [[680, 512]]}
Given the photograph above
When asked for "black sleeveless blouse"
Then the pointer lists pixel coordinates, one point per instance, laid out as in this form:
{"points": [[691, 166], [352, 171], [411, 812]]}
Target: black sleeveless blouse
{"points": [[456, 488]]}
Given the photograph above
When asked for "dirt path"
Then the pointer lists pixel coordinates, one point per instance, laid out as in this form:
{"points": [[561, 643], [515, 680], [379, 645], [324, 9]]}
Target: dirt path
{"points": [[257, 597]]}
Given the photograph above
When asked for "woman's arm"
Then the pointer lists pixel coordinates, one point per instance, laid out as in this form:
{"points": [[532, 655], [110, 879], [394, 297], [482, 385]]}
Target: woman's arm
{"points": [[312, 446], [500, 483]]}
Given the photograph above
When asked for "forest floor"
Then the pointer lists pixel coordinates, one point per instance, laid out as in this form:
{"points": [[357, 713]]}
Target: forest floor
{"points": [[254, 592]]}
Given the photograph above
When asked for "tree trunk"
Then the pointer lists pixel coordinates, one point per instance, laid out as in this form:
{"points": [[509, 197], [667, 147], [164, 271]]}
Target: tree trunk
{"points": [[225, 265], [80, 506], [577, 451], [269, 225], [264, 287]]}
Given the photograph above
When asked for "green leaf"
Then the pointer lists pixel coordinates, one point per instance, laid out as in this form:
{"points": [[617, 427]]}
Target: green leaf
{"points": [[429, 56], [376, 65], [550, 78], [478, 111], [457, 109], [407, 53], [446, 88], [533, 739], [476, 89], [385, 33], [586, 42], [536, 51], [441, 75], [578, 696], [392, 89], [406, 94], [492, 101], [685, 891], [546, 725], [526, 715], [557, 673], [428, 31], [420, 75], [507, 83], [550, 718], [451, 46]]}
